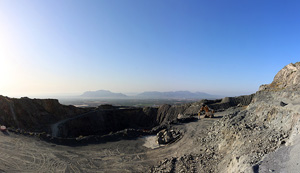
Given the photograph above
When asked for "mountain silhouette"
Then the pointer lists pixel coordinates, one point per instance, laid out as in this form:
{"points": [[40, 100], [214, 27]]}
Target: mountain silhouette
{"points": [[103, 94]]}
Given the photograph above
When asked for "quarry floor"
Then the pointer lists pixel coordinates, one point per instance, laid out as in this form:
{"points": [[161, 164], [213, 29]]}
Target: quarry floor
{"points": [[28, 154]]}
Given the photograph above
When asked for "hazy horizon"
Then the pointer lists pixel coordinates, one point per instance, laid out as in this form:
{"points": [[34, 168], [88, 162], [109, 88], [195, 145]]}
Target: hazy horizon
{"points": [[229, 48], [77, 95]]}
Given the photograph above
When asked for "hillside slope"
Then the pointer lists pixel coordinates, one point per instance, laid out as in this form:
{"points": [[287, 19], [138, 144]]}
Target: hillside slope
{"points": [[239, 141]]}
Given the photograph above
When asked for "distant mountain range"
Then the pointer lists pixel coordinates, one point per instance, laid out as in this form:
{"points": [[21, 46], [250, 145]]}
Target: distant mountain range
{"points": [[150, 95], [103, 94]]}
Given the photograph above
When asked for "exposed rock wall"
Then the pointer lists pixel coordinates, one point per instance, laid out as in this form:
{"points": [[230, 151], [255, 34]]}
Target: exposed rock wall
{"points": [[228, 102], [168, 113], [33, 114], [104, 121]]}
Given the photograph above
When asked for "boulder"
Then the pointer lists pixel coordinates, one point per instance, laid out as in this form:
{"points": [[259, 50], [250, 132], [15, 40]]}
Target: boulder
{"points": [[167, 136]]}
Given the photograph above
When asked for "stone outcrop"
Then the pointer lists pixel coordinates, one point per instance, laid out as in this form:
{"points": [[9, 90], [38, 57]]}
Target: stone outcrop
{"points": [[288, 77]]}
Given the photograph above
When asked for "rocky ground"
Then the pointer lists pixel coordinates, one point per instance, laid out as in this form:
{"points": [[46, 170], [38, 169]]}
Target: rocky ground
{"points": [[21, 153], [256, 133], [259, 138]]}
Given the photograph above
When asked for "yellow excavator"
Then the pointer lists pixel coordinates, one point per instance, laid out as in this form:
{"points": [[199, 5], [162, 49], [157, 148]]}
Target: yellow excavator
{"points": [[209, 113]]}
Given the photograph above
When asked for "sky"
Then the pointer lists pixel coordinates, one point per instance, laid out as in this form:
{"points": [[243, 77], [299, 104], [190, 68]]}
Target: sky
{"points": [[223, 47]]}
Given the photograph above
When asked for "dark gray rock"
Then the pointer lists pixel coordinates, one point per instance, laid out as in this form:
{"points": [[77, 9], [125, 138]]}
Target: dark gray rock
{"points": [[283, 104]]}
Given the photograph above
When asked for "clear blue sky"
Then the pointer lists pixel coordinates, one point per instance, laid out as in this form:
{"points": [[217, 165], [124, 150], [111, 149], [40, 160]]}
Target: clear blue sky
{"points": [[227, 47]]}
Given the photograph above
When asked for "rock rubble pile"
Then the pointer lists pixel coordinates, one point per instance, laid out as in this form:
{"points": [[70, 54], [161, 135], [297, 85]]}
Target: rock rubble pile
{"points": [[238, 141]]}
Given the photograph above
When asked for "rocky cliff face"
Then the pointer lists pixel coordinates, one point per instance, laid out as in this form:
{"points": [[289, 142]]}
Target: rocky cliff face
{"points": [[104, 121], [33, 114], [288, 77]]}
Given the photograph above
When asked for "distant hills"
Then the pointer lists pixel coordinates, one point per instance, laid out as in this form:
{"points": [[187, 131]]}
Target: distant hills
{"points": [[103, 94], [149, 95]]}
